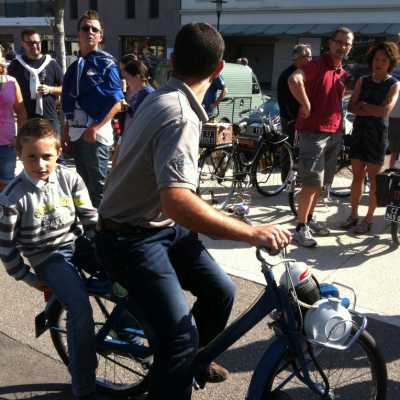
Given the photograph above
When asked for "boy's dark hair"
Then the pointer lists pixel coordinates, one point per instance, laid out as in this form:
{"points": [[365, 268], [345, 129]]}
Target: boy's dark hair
{"points": [[28, 32], [197, 51], [391, 51], [127, 58], [91, 15], [137, 68], [36, 128]]}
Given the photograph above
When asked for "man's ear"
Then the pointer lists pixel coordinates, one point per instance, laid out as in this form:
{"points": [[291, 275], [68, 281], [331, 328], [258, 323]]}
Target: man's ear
{"points": [[218, 69]]}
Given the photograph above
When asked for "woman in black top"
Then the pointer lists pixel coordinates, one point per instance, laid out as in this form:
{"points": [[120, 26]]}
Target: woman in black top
{"points": [[372, 101]]}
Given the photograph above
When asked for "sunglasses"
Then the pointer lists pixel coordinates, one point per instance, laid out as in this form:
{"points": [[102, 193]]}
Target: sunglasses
{"points": [[87, 28], [32, 43]]}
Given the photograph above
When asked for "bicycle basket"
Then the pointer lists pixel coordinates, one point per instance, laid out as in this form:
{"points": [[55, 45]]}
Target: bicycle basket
{"points": [[213, 134]]}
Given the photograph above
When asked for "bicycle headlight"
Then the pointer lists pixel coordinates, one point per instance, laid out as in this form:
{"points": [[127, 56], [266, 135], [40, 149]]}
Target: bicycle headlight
{"points": [[328, 322]]}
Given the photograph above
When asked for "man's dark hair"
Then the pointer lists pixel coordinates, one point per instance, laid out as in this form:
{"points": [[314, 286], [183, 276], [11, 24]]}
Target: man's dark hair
{"points": [[342, 29], [36, 128], [137, 68], [391, 51], [198, 50], [91, 15], [28, 32]]}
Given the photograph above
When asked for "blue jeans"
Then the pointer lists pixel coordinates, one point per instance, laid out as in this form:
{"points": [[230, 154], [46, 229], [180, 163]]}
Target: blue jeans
{"points": [[8, 160], [61, 277], [154, 265], [91, 160]]}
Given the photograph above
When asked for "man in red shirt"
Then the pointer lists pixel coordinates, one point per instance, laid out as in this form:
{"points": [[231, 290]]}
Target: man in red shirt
{"points": [[319, 87]]}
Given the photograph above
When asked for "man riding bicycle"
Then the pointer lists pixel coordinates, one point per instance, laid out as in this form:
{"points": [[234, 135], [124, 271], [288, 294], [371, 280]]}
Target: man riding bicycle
{"points": [[150, 216]]}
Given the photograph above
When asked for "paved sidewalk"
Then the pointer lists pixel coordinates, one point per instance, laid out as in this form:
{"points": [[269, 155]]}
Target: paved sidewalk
{"points": [[368, 263]]}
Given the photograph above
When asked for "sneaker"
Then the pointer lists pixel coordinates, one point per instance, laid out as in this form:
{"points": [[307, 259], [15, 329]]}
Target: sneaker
{"points": [[317, 228], [349, 223], [216, 373], [304, 238]]}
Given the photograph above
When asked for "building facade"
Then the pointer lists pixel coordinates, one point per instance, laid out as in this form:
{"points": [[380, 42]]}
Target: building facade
{"points": [[141, 26], [265, 31]]}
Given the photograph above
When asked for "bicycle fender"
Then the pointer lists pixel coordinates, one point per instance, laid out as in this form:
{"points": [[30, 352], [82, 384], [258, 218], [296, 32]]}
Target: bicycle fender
{"points": [[42, 320], [265, 368]]}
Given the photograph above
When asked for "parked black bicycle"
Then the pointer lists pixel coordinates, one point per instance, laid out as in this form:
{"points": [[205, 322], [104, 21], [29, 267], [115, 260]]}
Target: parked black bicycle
{"points": [[259, 155]]}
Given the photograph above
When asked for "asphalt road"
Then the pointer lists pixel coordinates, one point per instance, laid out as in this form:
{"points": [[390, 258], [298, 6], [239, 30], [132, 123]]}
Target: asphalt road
{"points": [[27, 373]]}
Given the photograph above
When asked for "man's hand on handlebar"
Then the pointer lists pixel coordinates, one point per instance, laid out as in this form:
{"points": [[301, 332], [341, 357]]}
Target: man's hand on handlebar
{"points": [[272, 236]]}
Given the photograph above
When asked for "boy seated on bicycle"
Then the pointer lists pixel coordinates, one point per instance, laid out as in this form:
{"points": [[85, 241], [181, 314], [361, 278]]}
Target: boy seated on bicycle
{"points": [[41, 214]]}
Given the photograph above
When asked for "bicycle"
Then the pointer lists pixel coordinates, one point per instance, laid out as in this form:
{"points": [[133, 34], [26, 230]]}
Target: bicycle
{"points": [[229, 167], [296, 364], [388, 194]]}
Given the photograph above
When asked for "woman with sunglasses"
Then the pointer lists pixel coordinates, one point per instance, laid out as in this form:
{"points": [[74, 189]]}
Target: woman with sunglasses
{"points": [[372, 101]]}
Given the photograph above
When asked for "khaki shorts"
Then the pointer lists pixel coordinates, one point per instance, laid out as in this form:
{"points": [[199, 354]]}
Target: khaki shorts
{"points": [[318, 154]]}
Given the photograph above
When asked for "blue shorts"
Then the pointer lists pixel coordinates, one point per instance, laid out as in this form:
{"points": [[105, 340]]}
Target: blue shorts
{"points": [[8, 161]]}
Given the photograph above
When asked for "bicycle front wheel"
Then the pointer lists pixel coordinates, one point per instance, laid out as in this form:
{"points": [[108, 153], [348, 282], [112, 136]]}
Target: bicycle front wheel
{"points": [[356, 373], [217, 168], [117, 373], [271, 169]]}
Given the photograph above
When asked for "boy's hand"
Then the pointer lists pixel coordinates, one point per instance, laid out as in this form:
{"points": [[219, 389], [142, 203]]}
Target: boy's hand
{"points": [[41, 286]]}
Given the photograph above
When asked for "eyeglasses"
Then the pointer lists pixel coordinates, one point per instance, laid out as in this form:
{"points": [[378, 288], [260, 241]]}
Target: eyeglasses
{"points": [[32, 43], [342, 44], [88, 28]]}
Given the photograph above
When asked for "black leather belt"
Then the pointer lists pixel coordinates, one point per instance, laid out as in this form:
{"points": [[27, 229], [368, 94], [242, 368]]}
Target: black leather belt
{"points": [[107, 225]]}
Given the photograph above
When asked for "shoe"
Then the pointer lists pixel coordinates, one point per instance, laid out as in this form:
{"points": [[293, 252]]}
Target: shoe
{"points": [[216, 373], [304, 238], [317, 228], [349, 223], [363, 227]]}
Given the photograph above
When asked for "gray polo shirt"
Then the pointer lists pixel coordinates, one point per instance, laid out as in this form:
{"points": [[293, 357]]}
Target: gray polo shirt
{"points": [[159, 149]]}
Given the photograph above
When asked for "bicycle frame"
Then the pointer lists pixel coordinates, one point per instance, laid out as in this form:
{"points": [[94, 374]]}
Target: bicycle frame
{"points": [[272, 298]]}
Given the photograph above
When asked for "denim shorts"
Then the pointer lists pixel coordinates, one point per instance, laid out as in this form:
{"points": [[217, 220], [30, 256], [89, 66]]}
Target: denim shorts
{"points": [[318, 153], [8, 161]]}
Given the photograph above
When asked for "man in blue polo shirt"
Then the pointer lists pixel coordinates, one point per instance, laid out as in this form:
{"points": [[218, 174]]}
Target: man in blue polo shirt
{"points": [[91, 96]]}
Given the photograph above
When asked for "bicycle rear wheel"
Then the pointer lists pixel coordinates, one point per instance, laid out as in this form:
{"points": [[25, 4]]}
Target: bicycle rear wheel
{"points": [[357, 373], [270, 170], [217, 168], [341, 185], [394, 227], [117, 373]]}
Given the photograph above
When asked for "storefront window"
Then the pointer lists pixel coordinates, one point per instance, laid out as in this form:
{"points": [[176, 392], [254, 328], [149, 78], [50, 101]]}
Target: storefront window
{"points": [[147, 46]]}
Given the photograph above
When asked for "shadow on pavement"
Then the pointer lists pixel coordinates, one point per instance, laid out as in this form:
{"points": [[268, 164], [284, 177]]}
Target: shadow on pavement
{"points": [[45, 391]]}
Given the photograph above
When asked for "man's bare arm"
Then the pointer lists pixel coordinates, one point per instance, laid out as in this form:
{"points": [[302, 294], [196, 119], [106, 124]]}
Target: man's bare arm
{"points": [[297, 88], [188, 210]]}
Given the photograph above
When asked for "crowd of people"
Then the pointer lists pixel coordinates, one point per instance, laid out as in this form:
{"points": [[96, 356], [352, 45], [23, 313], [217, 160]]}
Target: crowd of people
{"points": [[310, 96], [145, 217]]}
